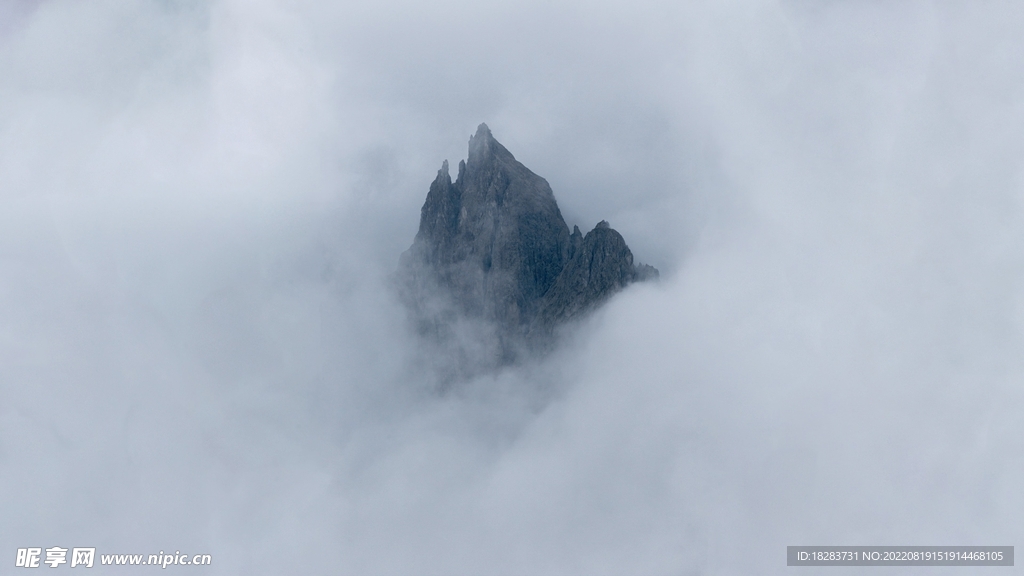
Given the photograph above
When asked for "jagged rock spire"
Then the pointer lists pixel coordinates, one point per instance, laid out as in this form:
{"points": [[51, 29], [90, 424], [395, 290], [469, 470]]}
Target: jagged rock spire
{"points": [[480, 143], [493, 248]]}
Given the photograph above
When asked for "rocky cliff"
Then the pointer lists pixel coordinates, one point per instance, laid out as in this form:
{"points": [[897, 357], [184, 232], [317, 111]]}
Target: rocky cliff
{"points": [[494, 269]]}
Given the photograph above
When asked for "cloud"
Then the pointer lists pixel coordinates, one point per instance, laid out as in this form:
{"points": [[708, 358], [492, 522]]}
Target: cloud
{"points": [[204, 201]]}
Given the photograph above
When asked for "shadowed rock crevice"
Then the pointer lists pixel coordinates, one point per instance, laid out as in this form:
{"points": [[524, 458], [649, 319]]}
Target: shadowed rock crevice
{"points": [[494, 269]]}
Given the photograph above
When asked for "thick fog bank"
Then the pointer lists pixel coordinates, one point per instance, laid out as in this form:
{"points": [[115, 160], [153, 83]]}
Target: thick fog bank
{"points": [[203, 204]]}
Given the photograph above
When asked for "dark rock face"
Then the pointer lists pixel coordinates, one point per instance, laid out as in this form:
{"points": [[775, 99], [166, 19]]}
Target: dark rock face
{"points": [[494, 267]]}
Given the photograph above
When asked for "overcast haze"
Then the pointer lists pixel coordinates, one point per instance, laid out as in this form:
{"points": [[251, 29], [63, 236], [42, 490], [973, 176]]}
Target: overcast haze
{"points": [[202, 203]]}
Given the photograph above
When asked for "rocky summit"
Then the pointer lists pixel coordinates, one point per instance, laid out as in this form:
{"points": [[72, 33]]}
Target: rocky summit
{"points": [[494, 269]]}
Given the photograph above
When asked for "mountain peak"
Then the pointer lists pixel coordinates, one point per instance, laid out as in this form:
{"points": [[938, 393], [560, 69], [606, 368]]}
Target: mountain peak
{"points": [[494, 269], [483, 146]]}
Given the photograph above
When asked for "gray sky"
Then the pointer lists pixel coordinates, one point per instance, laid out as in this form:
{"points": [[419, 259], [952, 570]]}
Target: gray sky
{"points": [[202, 202]]}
